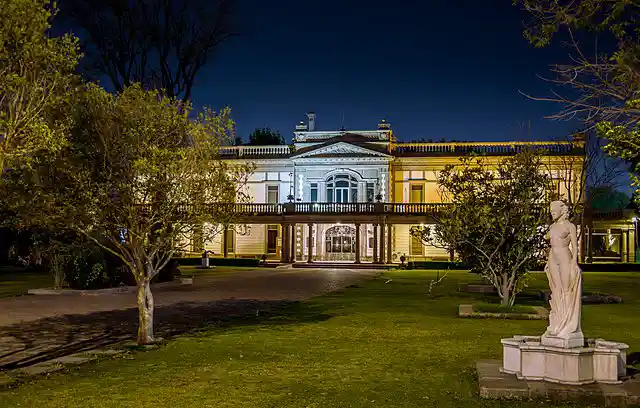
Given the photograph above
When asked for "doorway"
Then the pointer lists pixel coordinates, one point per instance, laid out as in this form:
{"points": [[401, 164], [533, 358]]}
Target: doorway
{"points": [[340, 243]]}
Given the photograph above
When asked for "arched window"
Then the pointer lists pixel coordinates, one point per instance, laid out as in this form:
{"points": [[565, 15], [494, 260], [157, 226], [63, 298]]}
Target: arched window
{"points": [[342, 188]]}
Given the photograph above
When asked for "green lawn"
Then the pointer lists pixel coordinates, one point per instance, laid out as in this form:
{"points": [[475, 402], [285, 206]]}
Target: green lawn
{"points": [[16, 281], [371, 345]]}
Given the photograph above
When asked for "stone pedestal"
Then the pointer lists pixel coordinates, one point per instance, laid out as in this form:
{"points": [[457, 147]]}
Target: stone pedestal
{"points": [[529, 358], [575, 340]]}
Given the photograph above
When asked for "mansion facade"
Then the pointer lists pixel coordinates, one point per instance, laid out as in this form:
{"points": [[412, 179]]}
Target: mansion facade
{"points": [[353, 196]]}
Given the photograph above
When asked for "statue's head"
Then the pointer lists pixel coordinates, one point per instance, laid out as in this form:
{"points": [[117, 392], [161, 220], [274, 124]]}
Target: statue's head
{"points": [[559, 210]]}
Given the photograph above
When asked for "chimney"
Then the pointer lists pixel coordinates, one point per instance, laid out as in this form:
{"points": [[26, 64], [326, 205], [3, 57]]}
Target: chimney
{"points": [[312, 121]]}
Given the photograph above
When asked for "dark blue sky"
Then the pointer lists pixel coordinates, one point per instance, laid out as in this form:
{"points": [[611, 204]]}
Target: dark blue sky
{"points": [[434, 69]]}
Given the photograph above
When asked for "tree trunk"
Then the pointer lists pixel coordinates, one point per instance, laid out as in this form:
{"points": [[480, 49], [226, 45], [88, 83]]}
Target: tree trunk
{"points": [[57, 266], [508, 296], [145, 312]]}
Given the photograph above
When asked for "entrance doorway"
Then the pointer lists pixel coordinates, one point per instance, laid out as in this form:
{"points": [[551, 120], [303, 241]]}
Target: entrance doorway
{"points": [[340, 243]]}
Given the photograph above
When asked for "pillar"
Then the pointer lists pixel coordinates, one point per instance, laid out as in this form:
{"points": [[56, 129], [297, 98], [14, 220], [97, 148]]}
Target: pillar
{"points": [[590, 238], [292, 258], [389, 243], [310, 244], [382, 236], [357, 243], [375, 243], [284, 249], [225, 242]]}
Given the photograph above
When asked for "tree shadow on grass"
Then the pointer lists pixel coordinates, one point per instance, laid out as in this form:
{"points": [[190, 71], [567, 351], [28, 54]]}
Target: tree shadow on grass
{"points": [[25, 344]]}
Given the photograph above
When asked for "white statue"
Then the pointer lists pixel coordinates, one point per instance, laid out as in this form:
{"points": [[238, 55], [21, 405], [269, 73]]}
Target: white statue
{"points": [[565, 282]]}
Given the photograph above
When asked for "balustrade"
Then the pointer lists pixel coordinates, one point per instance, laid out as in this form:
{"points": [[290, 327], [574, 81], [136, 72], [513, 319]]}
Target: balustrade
{"points": [[254, 151], [496, 148], [255, 209]]}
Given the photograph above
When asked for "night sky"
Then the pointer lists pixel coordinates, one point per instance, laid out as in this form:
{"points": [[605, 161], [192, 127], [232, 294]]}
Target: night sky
{"points": [[434, 69]]}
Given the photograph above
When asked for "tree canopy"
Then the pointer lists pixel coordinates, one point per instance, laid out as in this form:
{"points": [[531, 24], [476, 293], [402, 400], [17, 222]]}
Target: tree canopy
{"points": [[162, 44], [36, 80], [265, 136], [602, 87]]}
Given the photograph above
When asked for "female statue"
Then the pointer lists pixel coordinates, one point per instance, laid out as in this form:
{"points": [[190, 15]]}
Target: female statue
{"points": [[565, 281]]}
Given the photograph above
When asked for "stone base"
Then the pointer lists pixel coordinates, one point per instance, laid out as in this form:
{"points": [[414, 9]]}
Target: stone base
{"points": [[598, 361], [576, 340], [496, 384]]}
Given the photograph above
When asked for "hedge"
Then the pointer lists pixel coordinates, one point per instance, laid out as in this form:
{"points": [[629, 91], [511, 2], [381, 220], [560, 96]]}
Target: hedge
{"points": [[219, 261]]}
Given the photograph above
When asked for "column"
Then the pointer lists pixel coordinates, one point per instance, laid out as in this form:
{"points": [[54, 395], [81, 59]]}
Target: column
{"points": [[357, 243], [284, 247], [590, 239], [293, 243], [389, 243], [225, 242], [375, 243], [382, 236], [310, 244]]}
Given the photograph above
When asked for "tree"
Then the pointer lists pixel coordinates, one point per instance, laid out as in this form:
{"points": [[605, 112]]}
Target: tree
{"points": [[265, 136], [497, 218], [137, 178], [36, 81], [607, 198], [603, 88], [162, 44]]}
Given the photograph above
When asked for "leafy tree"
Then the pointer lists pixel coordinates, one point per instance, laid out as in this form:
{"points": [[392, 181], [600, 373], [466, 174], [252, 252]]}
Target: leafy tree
{"points": [[265, 136], [604, 88], [497, 218], [608, 198], [36, 80], [137, 178], [162, 44]]}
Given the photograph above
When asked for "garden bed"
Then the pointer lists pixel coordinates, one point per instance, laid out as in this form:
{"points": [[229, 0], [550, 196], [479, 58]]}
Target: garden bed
{"points": [[95, 292], [495, 311]]}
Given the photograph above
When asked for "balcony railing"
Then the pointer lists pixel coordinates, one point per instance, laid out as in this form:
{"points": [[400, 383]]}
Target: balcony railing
{"points": [[262, 209], [252, 152], [490, 148]]}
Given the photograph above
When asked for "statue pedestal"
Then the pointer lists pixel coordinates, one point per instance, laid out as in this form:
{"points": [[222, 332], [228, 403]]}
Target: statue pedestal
{"points": [[573, 341], [599, 361]]}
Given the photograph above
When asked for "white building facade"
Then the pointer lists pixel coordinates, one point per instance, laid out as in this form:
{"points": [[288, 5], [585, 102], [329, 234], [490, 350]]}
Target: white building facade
{"points": [[327, 176]]}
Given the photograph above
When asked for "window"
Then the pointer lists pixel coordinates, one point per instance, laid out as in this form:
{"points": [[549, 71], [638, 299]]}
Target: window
{"points": [[272, 239], [272, 194], [417, 193], [370, 192], [314, 192], [342, 189]]}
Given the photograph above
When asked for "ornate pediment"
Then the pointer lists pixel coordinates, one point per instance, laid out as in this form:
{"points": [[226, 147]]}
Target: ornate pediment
{"points": [[340, 149]]}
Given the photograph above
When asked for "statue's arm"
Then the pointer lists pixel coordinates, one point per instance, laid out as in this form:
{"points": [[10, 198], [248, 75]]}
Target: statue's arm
{"points": [[574, 241]]}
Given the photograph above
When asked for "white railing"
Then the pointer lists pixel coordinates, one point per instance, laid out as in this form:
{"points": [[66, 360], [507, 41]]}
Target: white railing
{"points": [[254, 151], [486, 148]]}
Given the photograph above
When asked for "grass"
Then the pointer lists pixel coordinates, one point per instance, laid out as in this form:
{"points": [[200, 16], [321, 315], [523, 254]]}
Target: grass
{"points": [[497, 308], [16, 281], [371, 345]]}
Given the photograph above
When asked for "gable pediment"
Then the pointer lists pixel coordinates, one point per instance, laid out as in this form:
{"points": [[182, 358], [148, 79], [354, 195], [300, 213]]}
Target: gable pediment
{"points": [[339, 149]]}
